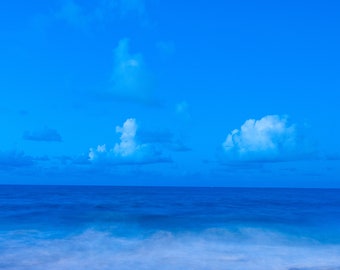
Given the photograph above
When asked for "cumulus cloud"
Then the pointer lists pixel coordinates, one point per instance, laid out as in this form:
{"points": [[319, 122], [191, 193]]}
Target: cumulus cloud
{"points": [[127, 150], [130, 79], [44, 135], [127, 145], [269, 138]]}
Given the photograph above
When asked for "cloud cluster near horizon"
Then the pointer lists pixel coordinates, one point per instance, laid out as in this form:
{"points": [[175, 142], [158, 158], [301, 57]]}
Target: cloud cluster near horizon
{"points": [[14, 159], [270, 138], [128, 150]]}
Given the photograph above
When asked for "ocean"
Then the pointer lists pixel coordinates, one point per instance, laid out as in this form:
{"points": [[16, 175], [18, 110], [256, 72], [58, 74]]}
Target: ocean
{"points": [[104, 228]]}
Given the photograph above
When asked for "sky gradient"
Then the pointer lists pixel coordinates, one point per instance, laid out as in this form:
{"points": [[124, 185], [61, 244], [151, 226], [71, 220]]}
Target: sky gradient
{"points": [[147, 92]]}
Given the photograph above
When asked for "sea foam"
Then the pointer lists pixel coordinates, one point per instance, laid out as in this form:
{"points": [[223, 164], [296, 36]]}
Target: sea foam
{"points": [[123, 228], [251, 249]]}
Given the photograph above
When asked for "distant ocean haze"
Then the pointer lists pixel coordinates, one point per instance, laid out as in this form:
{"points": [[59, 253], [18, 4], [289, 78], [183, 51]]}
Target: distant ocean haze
{"points": [[89, 227]]}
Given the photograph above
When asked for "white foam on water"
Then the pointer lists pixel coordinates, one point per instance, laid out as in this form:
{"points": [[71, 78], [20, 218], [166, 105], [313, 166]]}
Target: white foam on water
{"points": [[248, 248]]}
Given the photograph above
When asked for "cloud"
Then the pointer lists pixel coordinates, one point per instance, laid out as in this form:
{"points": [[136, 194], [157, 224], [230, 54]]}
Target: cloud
{"points": [[332, 156], [182, 109], [14, 159], [166, 48], [131, 79], [82, 14], [127, 145], [44, 135], [164, 139], [132, 6], [270, 138], [128, 150], [74, 14]]}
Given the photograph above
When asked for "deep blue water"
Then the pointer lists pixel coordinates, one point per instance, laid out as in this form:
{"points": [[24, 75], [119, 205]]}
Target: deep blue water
{"points": [[87, 227]]}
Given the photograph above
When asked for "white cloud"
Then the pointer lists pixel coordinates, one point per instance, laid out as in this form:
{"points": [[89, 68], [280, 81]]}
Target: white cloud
{"points": [[128, 150], [268, 138], [127, 145], [93, 154], [131, 79], [84, 14]]}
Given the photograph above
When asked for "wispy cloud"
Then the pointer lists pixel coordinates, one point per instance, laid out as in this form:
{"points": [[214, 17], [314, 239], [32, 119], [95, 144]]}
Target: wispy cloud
{"points": [[164, 139], [131, 79], [44, 135], [270, 138], [85, 14], [182, 109], [134, 6], [166, 48], [14, 159], [74, 14]]}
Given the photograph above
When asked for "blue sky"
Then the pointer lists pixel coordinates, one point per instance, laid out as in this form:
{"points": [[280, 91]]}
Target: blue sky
{"points": [[147, 92]]}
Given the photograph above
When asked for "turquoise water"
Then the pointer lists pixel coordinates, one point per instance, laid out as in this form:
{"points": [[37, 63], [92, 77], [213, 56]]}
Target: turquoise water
{"points": [[83, 227]]}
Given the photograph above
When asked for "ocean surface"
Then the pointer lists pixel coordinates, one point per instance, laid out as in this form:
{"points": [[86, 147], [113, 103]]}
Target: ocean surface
{"points": [[87, 227]]}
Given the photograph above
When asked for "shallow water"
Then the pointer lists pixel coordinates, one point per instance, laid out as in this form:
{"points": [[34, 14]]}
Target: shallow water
{"points": [[77, 227]]}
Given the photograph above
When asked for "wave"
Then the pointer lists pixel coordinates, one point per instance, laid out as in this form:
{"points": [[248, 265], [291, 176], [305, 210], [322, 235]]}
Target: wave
{"points": [[246, 248]]}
